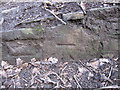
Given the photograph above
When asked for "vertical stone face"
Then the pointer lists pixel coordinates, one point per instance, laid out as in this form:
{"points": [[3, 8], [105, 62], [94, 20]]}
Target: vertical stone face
{"points": [[63, 42], [103, 22], [68, 42]]}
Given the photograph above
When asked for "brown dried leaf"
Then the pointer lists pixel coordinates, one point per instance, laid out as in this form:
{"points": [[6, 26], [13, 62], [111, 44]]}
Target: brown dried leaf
{"points": [[35, 70], [3, 73], [53, 60], [90, 75], [103, 60], [24, 65], [9, 71], [8, 67], [93, 64], [17, 70], [82, 70], [64, 64], [19, 61], [4, 64], [100, 62], [37, 63], [33, 60]]}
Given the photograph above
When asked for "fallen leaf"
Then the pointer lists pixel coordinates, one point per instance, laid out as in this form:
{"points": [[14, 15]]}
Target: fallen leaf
{"points": [[8, 67], [1, 21], [93, 64], [35, 70], [53, 60], [9, 71], [90, 75], [36, 63], [17, 70], [19, 61], [98, 63], [2, 86], [3, 73], [24, 65], [64, 64], [115, 59], [104, 60], [4, 64], [33, 60], [82, 70]]}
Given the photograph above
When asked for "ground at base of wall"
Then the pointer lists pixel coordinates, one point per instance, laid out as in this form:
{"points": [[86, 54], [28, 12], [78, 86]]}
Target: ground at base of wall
{"points": [[54, 73]]}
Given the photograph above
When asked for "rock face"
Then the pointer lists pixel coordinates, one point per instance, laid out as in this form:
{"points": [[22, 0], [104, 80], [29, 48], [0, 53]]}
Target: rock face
{"points": [[103, 23], [99, 37]]}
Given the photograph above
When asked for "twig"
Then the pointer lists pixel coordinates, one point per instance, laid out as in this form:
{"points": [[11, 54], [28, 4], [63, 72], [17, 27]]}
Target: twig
{"points": [[26, 20], [102, 75], [9, 10], [62, 86], [82, 7], [64, 68], [77, 81], [106, 78], [109, 74], [57, 86], [38, 80], [108, 87], [57, 76], [88, 68], [2, 20], [55, 16], [24, 80], [10, 76]]}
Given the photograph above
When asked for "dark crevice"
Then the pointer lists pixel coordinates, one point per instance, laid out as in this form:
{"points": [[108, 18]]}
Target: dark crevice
{"points": [[66, 44]]}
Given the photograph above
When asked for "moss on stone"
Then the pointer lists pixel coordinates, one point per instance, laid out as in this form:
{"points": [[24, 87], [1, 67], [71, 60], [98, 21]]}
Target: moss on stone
{"points": [[27, 31]]}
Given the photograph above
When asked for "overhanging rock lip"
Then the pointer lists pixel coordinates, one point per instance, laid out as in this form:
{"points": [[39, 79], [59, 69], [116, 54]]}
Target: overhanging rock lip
{"points": [[11, 35], [94, 9], [73, 15]]}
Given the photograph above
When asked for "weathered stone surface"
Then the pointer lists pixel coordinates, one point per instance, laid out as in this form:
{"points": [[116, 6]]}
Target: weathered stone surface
{"points": [[23, 33], [73, 16], [103, 22], [98, 38], [102, 19], [63, 42]]}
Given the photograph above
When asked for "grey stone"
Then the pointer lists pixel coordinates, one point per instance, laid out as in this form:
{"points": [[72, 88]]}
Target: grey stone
{"points": [[98, 38], [23, 33], [73, 16]]}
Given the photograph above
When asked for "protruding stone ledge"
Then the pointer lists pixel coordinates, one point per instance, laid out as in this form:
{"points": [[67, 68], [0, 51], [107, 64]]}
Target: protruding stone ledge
{"points": [[23, 34], [73, 16]]}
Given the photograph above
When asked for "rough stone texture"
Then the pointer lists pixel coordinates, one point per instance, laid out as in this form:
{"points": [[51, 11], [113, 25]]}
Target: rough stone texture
{"points": [[73, 16], [98, 38], [103, 22], [64, 42]]}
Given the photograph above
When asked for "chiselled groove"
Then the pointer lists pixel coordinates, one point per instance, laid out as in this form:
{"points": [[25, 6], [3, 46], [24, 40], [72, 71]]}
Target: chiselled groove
{"points": [[66, 44]]}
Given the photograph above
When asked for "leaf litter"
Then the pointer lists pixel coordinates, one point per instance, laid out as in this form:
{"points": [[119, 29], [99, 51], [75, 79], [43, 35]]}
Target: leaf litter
{"points": [[54, 73]]}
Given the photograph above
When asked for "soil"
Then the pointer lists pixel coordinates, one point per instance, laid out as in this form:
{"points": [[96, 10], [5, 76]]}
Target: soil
{"points": [[95, 73], [22, 11]]}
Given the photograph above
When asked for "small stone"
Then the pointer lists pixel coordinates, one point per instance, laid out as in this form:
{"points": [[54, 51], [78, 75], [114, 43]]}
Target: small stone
{"points": [[73, 16]]}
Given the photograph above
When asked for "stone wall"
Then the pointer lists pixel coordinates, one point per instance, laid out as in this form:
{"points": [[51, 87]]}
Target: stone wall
{"points": [[103, 22], [99, 37]]}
